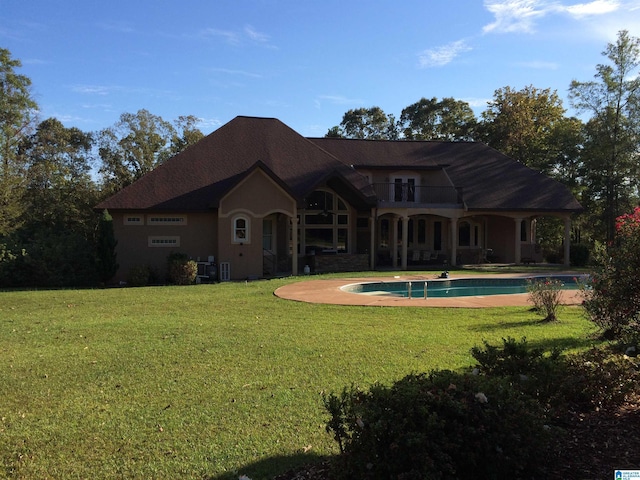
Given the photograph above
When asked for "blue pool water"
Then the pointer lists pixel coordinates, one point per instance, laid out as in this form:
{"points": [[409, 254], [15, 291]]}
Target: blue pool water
{"points": [[462, 287]]}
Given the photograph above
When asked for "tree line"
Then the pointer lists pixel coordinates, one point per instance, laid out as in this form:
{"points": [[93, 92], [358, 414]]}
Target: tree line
{"points": [[51, 176]]}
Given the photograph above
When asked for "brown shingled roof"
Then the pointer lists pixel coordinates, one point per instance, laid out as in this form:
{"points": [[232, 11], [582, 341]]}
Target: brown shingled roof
{"points": [[489, 180], [196, 179]]}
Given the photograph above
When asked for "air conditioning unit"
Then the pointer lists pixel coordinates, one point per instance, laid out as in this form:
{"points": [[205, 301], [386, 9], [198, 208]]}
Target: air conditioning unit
{"points": [[225, 271]]}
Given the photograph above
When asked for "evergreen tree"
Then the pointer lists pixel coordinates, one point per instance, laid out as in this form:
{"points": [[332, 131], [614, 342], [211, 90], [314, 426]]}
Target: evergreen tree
{"points": [[106, 248]]}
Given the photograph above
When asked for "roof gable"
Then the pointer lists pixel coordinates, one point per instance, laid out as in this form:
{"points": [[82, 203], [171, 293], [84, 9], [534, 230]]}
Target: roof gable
{"points": [[196, 178]]}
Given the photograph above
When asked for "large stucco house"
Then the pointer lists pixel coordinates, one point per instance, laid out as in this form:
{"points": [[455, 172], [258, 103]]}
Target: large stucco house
{"points": [[256, 199]]}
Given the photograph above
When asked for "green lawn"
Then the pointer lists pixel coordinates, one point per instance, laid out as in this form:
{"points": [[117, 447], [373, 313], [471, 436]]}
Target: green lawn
{"points": [[211, 381]]}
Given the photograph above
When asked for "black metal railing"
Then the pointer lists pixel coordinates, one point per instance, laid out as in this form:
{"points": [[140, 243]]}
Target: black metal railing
{"points": [[407, 194]]}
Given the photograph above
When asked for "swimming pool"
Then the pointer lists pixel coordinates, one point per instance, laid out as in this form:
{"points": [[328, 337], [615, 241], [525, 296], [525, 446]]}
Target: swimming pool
{"points": [[461, 287]]}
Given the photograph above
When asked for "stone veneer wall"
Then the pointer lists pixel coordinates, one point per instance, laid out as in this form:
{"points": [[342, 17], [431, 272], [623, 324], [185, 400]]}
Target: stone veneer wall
{"points": [[337, 263]]}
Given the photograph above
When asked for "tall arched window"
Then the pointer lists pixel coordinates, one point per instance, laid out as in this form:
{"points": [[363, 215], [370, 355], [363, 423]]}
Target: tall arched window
{"points": [[464, 234], [325, 223]]}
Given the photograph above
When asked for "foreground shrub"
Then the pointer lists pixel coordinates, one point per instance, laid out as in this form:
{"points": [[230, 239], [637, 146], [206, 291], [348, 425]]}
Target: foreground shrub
{"points": [[440, 425], [182, 270], [591, 380], [529, 370], [498, 421], [598, 379], [139, 276], [612, 297], [545, 296]]}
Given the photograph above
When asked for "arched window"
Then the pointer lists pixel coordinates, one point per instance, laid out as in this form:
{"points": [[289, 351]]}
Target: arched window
{"points": [[241, 229], [325, 223], [464, 234]]}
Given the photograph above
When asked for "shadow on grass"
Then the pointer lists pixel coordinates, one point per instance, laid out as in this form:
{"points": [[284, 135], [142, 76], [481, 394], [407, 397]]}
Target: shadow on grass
{"points": [[279, 467], [565, 343], [498, 326], [504, 321]]}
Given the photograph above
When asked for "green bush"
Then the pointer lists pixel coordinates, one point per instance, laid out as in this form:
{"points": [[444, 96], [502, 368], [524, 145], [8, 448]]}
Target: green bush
{"points": [[495, 422], [531, 371], [579, 254], [440, 425], [106, 257], [612, 296], [182, 270], [598, 379], [545, 295], [514, 358], [139, 276], [583, 382]]}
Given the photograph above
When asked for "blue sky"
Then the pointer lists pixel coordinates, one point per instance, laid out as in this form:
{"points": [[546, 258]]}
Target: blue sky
{"points": [[304, 62]]}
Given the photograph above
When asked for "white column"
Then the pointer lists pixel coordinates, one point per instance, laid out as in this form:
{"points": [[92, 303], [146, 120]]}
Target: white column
{"points": [[534, 231], [453, 241], [567, 241], [393, 224], [373, 223], [405, 241], [294, 243], [518, 242]]}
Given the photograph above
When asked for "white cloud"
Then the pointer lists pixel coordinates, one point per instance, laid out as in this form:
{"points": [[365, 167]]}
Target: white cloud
{"points": [[209, 123], [513, 15], [338, 100], [229, 36], [94, 89], [597, 7], [254, 35], [520, 16], [440, 56], [238, 37], [477, 103]]}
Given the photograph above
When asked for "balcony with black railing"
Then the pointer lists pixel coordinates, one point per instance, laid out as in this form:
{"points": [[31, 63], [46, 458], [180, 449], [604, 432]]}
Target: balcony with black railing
{"points": [[413, 196]]}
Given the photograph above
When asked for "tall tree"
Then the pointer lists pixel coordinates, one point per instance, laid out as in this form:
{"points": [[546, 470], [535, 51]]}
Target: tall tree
{"points": [[135, 145], [57, 224], [60, 192], [106, 257], [366, 123], [612, 149], [185, 133], [430, 119], [521, 124], [18, 111]]}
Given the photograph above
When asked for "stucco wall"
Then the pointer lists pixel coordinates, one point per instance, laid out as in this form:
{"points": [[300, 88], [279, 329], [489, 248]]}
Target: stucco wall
{"points": [[197, 238], [500, 238], [256, 197]]}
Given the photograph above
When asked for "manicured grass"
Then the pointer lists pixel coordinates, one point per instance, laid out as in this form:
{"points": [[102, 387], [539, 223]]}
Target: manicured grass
{"points": [[211, 381]]}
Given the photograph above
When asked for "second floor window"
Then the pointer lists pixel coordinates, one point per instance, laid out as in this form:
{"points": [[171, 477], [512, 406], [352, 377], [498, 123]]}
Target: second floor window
{"points": [[404, 190]]}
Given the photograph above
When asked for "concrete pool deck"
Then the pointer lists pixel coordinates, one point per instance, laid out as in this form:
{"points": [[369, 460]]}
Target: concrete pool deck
{"points": [[329, 292]]}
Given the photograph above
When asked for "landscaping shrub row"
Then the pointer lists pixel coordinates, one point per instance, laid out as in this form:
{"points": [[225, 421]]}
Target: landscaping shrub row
{"points": [[497, 420]]}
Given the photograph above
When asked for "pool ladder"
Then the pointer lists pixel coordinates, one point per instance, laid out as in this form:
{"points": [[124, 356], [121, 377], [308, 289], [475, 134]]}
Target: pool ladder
{"points": [[409, 291]]}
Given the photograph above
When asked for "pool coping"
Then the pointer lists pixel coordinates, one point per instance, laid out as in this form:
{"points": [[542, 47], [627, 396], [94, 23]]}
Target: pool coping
{"points": [[328, 291]]}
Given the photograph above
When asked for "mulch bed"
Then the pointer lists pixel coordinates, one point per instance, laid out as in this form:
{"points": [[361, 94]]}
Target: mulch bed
{"points": [[599, 443]]}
